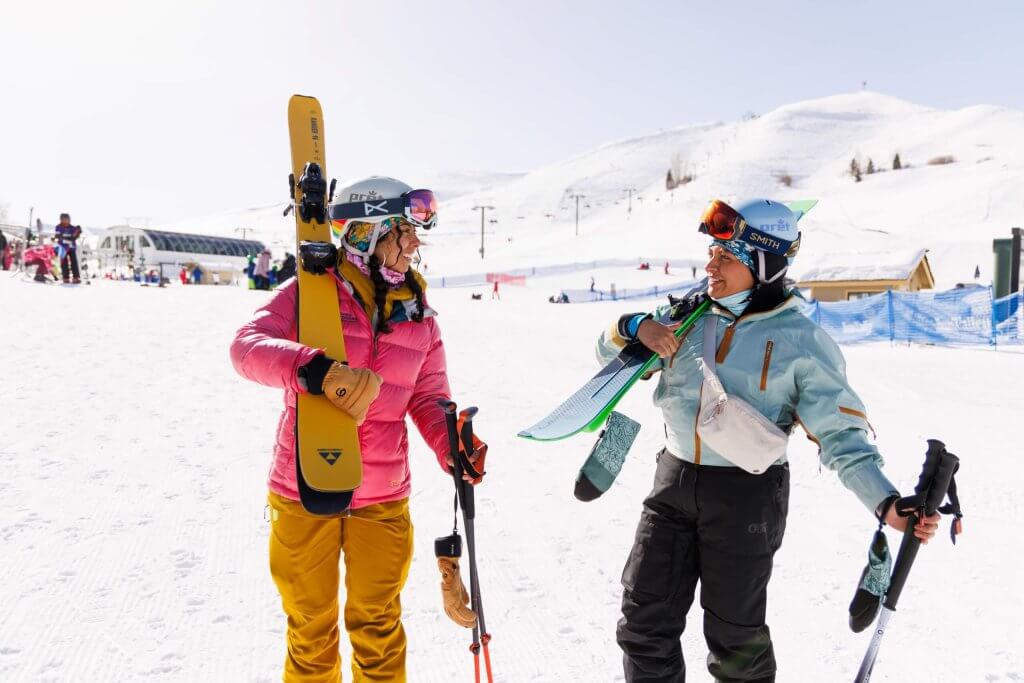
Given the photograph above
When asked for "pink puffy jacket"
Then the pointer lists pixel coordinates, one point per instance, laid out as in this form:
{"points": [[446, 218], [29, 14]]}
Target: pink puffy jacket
{"points": [[410, 359]]}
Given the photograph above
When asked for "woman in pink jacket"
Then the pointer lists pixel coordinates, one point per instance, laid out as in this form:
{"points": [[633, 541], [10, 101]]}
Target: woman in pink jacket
{"points": [[396, 367]]}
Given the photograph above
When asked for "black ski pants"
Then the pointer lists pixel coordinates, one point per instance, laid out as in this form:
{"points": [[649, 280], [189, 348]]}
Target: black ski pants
{"points": [[69, 263], [718, 525]]}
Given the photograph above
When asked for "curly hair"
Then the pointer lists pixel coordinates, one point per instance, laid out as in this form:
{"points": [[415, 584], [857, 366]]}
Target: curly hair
{"points": [[380, 293], [417, 291]]}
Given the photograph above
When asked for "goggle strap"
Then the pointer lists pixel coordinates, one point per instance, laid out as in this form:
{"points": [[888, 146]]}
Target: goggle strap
{"points": [[763, 241], [369, 208]]}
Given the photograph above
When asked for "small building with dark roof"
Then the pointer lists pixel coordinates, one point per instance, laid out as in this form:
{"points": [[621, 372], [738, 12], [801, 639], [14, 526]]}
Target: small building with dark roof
{"points": [[122, 248]]}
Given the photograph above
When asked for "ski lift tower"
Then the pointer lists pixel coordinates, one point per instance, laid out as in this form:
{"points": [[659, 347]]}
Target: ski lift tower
{"points": [[577, 196], [483, 209]]}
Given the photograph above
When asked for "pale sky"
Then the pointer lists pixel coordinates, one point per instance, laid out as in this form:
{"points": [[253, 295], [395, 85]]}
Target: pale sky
{"points": [[115, 108]]}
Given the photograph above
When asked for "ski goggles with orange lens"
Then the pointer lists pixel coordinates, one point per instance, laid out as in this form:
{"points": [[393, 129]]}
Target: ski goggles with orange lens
{"points": [[722, 222], [419, 207]]}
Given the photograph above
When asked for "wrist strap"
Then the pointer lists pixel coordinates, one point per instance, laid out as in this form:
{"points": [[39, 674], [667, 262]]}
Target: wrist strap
{"points": [[883, 509]]}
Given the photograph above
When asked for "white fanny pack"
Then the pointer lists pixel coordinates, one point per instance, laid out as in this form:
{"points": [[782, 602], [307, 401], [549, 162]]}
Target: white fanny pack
{"points": [[729, 425]]}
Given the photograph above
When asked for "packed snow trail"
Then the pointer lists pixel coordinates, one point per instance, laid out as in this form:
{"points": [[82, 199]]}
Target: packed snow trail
{"points": [[135, 546]]}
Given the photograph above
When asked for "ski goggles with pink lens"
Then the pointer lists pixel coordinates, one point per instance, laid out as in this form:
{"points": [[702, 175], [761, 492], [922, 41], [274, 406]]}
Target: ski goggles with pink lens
{"points": [[419, 207]]}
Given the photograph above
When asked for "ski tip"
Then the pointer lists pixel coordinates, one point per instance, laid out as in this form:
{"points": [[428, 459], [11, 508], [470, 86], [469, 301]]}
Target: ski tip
{"points": [[801, 207]]}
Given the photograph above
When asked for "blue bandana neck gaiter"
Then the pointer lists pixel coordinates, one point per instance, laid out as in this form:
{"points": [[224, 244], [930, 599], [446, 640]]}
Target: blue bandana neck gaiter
{"points": [[735, 303]]}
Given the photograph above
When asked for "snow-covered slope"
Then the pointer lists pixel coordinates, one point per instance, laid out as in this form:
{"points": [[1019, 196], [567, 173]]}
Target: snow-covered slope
{"points": [[953, 210]]}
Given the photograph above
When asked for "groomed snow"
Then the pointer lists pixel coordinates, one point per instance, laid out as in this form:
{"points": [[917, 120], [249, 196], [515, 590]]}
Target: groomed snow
{"points": [[134, 464]]}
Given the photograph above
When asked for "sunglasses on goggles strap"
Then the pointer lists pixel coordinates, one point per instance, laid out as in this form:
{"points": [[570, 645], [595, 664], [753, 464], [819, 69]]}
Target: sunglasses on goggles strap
{"points": [[418, 206], [722, 222]]}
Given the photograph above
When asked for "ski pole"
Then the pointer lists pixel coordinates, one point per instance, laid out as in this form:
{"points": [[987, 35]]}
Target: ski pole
{"points": [[474, 582], [932, 485], [464, 495]]}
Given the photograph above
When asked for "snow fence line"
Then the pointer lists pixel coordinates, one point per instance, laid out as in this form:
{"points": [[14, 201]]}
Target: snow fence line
{"points": [[956, 317], [474, 279]]}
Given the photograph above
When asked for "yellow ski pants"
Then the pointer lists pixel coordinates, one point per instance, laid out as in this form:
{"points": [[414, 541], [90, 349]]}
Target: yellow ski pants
{"points": [[304, 554]]}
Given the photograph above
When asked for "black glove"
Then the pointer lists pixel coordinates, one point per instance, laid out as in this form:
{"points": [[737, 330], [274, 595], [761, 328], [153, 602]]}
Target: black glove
{"points": [[314, 372]]}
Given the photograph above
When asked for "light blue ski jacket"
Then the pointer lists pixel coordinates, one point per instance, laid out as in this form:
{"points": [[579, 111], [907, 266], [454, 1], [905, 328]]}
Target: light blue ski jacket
{"points": [[785, 366]]}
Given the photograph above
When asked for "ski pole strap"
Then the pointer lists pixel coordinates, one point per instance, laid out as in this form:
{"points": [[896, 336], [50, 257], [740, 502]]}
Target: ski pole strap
{"points": [[467, 464], [883, 509], [468, 447], [953, 507]]}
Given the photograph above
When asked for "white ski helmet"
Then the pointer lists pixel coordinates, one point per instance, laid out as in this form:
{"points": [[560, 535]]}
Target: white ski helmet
{"points": [[364, 206], [374, 188]]}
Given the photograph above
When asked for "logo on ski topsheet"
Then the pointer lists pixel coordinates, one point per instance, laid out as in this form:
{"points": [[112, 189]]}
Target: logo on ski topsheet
{"points": [[330, 455]]}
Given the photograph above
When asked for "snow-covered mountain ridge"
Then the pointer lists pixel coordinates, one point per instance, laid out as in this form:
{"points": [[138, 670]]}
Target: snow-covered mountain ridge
{"points": [[953, 210]]}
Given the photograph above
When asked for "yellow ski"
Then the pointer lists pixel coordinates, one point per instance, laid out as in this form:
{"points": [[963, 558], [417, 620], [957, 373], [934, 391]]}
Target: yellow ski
{"points": [[328, 462]]}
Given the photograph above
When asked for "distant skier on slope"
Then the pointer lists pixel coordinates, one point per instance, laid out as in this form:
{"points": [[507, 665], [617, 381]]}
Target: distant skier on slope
{"points": [[261, 273], [67, 247], [396, 367], [41, 256], [708, 517]]}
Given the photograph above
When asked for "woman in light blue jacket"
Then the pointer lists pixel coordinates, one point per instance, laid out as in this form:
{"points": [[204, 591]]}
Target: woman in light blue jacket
{"points": [[708, 517]]}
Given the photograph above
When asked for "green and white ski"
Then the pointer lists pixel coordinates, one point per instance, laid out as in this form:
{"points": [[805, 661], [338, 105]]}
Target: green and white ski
{"points": [[588, 409]]}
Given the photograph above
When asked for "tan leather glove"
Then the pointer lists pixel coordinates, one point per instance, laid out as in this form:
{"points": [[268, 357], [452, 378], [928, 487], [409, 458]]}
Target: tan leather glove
{"points": [[453, 593], [352, 389]]}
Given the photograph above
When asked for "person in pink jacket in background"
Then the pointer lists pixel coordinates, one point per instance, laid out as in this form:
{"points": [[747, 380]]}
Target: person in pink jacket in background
{"points": [[395, 368]]}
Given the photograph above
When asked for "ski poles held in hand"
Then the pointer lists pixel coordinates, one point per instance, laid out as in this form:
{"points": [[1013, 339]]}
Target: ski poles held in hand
{"points": [[934, 484], [467, 456]]}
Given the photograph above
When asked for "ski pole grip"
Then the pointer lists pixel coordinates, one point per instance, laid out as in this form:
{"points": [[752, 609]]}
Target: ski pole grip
{"points": [[464, 492], [936, 474], [943, 475], [449, 408], [467, 445], [931, 465], [466, 436]]}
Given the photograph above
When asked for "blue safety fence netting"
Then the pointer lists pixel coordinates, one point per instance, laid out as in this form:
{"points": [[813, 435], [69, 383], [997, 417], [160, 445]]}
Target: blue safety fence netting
{"points": [[958, 317]]}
